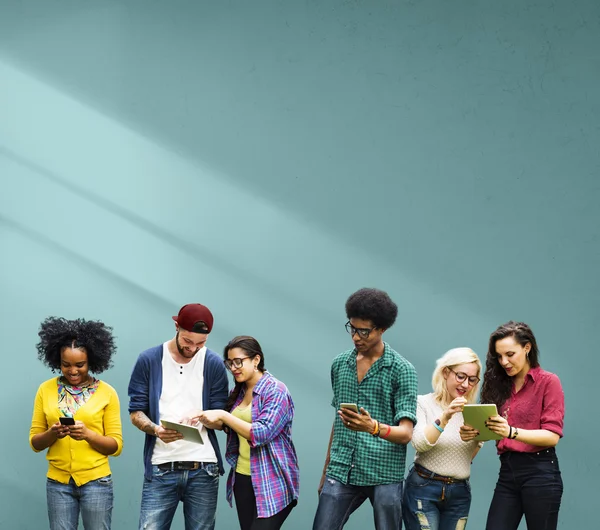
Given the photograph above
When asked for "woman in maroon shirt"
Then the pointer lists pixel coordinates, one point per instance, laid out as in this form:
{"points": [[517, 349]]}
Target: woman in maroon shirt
{"points": [[531, 408]]}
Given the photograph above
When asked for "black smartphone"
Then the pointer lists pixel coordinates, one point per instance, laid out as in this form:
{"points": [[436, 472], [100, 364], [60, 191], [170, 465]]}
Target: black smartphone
{"points": [[66, 421]]}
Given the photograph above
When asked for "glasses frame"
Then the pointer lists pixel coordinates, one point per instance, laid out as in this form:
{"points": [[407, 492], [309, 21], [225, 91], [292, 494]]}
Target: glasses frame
{"points": [[231, 362], [363, 333], [467, 377]]}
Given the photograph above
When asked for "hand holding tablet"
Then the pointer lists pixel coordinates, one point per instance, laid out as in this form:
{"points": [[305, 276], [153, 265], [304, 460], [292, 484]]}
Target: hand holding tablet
{"points": [[191, 434], [476, 416]]}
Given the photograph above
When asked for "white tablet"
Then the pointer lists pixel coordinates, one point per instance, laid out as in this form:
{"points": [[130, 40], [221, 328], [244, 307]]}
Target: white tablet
{"points": [[191, 434]]}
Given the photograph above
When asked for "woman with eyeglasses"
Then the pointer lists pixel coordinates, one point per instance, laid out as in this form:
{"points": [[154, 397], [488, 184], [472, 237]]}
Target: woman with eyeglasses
{"points": [[76, 417], [531, 407], [264, 477], [437, 494]]}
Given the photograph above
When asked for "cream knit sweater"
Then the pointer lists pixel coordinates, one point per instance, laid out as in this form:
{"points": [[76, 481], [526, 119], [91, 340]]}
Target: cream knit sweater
{"points": [[449, 456]]}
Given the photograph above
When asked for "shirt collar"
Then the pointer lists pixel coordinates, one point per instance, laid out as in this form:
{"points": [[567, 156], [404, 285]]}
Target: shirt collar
{"points": [[534, 372], [384, 360], [259, 386]]}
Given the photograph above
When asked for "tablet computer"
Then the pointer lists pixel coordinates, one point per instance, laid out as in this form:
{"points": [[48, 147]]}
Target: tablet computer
{"points": [[475, 416], [191, 434]]}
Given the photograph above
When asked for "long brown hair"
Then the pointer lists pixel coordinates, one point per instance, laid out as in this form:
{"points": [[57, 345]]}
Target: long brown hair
{"points": [[497, 384], [251, 346]]}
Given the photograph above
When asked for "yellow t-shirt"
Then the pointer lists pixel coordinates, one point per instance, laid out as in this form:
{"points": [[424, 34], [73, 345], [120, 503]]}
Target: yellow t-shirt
{"points": [[76, 458], [243, 462]]}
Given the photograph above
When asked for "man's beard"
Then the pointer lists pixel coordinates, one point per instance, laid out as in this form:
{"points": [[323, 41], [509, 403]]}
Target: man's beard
{"points": [[181, 351]]}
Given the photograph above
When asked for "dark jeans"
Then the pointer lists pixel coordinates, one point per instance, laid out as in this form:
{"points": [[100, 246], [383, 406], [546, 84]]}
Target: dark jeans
{"points": [[530, 484], [245, 503]]}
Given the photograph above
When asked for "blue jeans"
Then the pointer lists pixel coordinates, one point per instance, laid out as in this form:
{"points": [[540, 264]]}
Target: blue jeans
{"points": [[529, 484], [94, 500], [337, 502], [197, 489], [433, 505]]}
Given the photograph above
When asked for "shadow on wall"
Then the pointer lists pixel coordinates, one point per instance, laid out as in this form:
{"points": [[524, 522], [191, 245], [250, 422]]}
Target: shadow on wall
{"points": [[357, 120], [13, 494]]}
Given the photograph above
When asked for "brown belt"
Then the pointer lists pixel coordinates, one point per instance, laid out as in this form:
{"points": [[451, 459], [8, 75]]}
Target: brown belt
{"points": [[430, 475]]}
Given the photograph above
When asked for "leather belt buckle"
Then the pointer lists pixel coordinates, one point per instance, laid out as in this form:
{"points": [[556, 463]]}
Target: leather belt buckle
{"points": [[180, 466], [434, 476]]}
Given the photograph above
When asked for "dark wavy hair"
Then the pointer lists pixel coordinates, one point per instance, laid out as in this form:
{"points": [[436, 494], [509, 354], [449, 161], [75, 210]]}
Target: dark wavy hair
{"points": [[497, 384], [90, 335], [374, 305], [251, 346]]}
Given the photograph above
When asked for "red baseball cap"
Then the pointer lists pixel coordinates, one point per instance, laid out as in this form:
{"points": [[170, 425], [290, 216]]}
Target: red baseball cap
{"points": [[196, 318]]}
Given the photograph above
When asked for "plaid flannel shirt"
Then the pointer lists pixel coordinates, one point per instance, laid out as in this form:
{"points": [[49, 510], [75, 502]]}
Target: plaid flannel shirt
{"points": [[273, 461], [389, 393]]}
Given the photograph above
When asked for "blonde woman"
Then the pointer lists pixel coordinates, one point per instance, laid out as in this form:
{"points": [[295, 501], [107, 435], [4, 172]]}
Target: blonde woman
{"points": [[437, 494]]}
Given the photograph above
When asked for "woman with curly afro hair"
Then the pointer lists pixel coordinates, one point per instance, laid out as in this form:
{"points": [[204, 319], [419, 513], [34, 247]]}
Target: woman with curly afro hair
{"points": [[77, 418]]}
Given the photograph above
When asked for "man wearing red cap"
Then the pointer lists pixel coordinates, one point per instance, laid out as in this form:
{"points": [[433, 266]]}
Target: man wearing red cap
{"points": [[168, 382]]}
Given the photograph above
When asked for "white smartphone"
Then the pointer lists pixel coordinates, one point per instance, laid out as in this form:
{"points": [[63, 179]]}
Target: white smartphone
{"points": [[351, 406]]}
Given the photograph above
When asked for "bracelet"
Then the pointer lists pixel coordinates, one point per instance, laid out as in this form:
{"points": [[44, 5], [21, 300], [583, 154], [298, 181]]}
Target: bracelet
{"points": [[438, 427], [375, 429], [387, 433], [510, 433], [515, 434]]}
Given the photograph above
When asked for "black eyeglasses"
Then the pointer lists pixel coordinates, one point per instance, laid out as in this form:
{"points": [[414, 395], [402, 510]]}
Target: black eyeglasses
{"points": [[461, 377], [363, 333], [238, 362]]}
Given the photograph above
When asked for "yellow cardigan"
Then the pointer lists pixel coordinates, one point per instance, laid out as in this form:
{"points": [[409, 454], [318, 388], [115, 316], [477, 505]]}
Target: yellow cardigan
{"points": [[76, 458]]}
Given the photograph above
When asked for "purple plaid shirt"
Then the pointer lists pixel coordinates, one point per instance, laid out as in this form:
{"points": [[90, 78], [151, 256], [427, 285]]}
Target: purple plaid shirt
{"points": [[273, 461]]}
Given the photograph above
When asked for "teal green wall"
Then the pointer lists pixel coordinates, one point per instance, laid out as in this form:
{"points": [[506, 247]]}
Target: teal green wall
{"points": [[269, 158]]}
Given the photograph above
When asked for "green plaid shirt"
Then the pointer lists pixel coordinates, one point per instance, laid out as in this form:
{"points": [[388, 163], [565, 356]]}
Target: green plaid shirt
{"points": [[389, 393]]}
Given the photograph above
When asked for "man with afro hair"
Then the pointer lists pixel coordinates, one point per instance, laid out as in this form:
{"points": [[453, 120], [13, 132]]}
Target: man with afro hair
{"points": [[366, 456]]}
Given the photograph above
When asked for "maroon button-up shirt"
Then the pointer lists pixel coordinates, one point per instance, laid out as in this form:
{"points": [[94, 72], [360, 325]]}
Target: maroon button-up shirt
{"points": [[540, 404]]}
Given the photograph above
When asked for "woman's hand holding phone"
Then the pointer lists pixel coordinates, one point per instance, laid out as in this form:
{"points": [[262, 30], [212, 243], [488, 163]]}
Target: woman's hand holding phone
{"points": [[79, 431], [59, 430]]}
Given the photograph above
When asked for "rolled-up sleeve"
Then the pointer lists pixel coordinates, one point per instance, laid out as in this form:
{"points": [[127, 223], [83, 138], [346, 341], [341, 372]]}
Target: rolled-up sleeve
{"points": [[405, 397], [553, 407], [275, 411]]}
